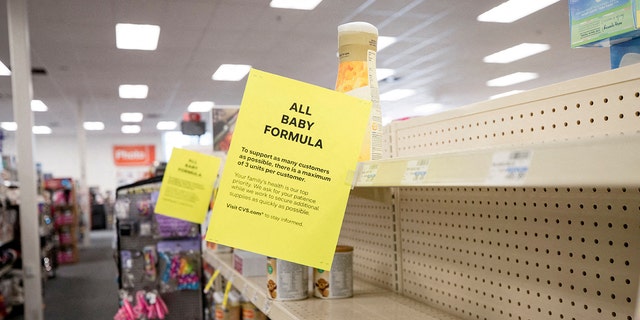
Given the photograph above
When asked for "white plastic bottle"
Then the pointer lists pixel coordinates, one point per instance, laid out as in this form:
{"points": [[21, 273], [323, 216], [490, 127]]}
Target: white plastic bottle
{"points": [[357, 49]]}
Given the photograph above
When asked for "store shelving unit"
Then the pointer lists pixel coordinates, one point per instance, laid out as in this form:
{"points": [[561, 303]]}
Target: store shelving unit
{"points": [[64, 210], [524, 207]]}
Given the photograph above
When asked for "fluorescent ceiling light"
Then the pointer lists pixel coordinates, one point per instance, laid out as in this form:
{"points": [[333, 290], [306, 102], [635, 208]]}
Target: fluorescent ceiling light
{"points": [[4, 71], [93, 125], [12, 126], [505, 94], [130, 129], [295, 4], [133, 91], [41, 130], [131, 117], [397, 94], [513, 10], [9, 126], [200, 106], [382, 73], [518, 52], [513, 78], [231, 72], [137, 36], [166, 125], [384, 42], [38, 106]]}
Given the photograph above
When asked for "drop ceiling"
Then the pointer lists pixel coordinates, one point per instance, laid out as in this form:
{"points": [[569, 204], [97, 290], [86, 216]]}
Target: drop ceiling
{"points": [[439, 51]]}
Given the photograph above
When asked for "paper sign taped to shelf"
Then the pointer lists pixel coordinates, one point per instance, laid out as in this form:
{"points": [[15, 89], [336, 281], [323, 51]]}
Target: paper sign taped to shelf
{"points": [[509, 167], [286, 180], [187, 185]]}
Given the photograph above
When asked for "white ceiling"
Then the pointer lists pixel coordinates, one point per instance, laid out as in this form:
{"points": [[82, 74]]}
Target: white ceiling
{"points": [[438, 53]]}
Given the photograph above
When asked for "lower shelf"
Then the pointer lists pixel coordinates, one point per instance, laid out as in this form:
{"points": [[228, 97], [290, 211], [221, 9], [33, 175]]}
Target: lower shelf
{"points": [[368, 302]]}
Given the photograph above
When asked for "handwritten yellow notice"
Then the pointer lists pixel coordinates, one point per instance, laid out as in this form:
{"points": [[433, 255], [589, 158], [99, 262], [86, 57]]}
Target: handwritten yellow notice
{"points": [[289, 170], [187, 185]]}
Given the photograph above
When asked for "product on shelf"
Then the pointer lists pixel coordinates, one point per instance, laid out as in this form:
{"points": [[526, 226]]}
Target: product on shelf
{"points": [[251, 312], [357, 49], [337, 282], [286, 280], [227, 310]]}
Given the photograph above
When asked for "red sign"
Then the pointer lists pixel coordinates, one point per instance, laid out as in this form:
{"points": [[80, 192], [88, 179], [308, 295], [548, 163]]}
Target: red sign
{"points": [[135, 155]]}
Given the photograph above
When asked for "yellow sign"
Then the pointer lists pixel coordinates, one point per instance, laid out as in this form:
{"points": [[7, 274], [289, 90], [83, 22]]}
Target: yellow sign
{"points": [[187, 185], [289, 170]]}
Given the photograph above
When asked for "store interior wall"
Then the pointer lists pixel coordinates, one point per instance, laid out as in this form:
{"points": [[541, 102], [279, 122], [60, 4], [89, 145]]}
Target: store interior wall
{"points": [[59, 156]]}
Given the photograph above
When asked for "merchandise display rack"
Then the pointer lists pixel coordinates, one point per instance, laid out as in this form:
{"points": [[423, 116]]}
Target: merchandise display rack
{"points": [[144, 238], [64, 210], [524, 207]]}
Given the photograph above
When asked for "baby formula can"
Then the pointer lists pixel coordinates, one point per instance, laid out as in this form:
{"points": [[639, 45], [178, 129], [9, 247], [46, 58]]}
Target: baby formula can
{"points": [[287, 280], [337, 282]]}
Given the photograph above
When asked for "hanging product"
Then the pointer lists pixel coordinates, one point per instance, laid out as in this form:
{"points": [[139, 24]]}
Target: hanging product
{"points": [[180, 265], [148, 305], [357, 49]]}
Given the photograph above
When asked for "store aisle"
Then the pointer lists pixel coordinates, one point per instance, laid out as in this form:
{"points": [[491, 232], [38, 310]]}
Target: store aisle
{"points": [[87, 289]]}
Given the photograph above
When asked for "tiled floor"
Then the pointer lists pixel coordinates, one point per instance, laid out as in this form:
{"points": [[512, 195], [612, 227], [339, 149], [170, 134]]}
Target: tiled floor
{"points": [[87, 289]]}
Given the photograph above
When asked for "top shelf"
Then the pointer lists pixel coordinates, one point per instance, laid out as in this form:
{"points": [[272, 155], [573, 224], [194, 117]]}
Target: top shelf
{"points": [[611, 161], [368, 301]]}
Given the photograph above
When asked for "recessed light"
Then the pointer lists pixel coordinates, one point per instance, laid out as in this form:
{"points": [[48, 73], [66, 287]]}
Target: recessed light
{"points": [[200, 106], [38, 106], [93, 125], [133, 91], [513, 78], [517, 52], [384, 41], [513, 10], [397, 94], [4, 71], [137, 36], [131, 128], [231, 72], [382, 73], [131, 117], [166, 125], [9, 126], [41, 130], [295, 4]]}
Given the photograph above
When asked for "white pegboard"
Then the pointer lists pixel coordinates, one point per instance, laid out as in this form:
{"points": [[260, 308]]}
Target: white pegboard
{"points": [[522, 253], [597, 106], [369, 227]]}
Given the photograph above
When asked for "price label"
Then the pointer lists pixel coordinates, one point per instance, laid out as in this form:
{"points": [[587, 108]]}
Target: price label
{"points": [[416, 172], [267, 307], [368, 174], [509, 167]]}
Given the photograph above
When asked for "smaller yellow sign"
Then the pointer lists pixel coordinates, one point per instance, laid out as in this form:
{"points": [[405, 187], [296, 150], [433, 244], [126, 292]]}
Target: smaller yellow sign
{"points": [[187, 185]]}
